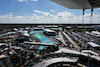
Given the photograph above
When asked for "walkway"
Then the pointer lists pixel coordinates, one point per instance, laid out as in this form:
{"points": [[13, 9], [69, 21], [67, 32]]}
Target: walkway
{"points": [[80, 36], [75, 45], [62, 39]]}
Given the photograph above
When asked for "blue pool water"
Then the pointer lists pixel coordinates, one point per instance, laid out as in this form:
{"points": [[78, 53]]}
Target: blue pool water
{"points": [[43, 39], [41, 48], [22, 45], [34, 53], [27, 57], [35, 32]]}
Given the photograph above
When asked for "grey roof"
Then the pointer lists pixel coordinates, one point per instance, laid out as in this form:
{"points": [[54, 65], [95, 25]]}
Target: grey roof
{"points": [[93, 44], [23, 33], [2, 44]]}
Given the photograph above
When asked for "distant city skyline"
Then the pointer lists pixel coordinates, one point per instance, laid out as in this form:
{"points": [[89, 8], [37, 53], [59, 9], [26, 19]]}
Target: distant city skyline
{"points": [[43, 11]]}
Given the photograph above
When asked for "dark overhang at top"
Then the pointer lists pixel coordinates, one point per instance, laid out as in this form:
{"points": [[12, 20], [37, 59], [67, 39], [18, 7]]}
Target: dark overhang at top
{"points": [[79, 4]]}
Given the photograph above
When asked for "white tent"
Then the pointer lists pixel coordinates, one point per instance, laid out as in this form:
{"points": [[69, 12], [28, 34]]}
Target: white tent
{"points": [[93, 44]]}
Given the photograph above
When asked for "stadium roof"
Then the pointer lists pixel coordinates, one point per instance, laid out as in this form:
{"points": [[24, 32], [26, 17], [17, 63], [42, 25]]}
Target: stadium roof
{"points": [[48, 62], [65, 50], [78, 4]]}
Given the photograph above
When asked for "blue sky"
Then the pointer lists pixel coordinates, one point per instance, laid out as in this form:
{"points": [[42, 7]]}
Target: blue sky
{"points": [[42, 11]]}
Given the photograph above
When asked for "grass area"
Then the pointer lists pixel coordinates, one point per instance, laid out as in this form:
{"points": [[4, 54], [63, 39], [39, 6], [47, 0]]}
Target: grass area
{"points": [[76, 29]]}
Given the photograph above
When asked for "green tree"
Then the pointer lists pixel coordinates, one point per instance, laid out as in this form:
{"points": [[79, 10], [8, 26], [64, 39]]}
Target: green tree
{"points": [[31, 55], [15, 59], [25, 53]]}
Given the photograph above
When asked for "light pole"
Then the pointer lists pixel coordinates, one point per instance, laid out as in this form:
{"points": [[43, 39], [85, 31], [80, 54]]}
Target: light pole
{"points": [[88, 60]]}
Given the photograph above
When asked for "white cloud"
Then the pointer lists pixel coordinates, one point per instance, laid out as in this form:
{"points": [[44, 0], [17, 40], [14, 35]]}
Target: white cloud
{"points": [[46, 14], [52, 10], [34, 0], [37, 11], [46, 17], [22, 0], [26, 0], [65, 14], [43, 13]]}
